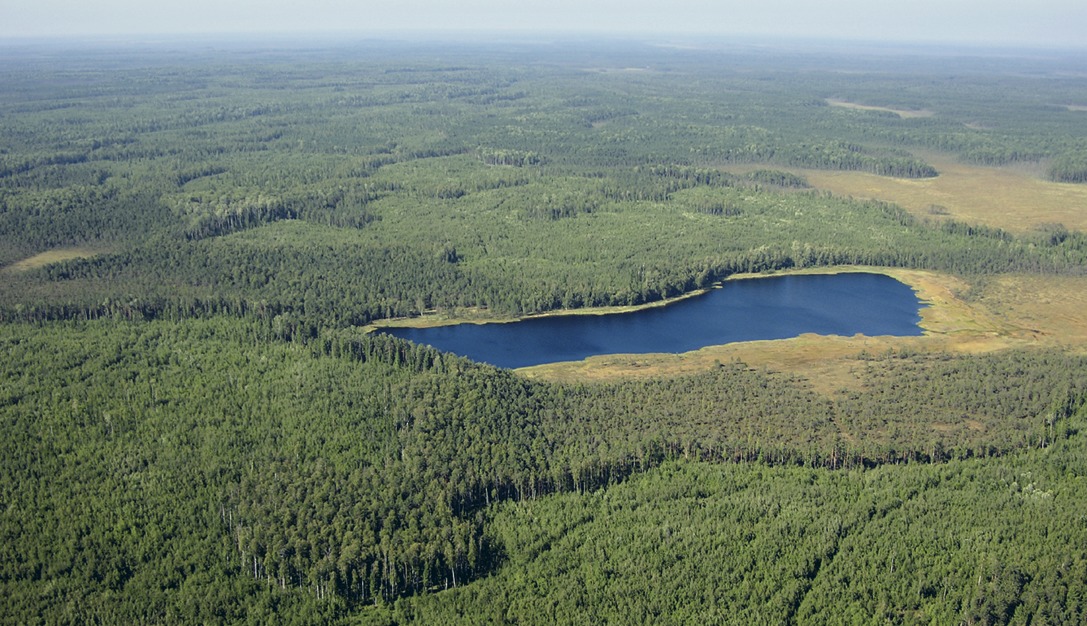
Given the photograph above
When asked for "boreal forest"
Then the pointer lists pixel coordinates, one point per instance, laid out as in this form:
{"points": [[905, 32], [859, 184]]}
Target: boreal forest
{"points": [[200, 424]]}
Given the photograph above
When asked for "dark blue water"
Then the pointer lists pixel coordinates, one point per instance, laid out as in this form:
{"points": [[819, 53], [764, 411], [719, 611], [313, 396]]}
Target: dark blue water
{"points": [[743, 310]]}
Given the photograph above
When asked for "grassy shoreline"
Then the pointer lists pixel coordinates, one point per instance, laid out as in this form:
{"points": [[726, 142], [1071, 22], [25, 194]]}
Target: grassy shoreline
{"points": [[482, 316]]}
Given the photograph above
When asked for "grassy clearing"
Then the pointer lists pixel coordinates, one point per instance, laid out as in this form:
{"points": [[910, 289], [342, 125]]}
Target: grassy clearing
{"points": [[903, 113], [1050, 309], [1011, 198], [52, 256]]}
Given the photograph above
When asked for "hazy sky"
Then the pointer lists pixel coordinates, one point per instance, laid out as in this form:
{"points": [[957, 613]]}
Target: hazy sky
{"points": [[1055, 22]]}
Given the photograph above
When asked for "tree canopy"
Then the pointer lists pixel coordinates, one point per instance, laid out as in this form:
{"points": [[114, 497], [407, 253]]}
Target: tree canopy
{"points": [[196, 430]]}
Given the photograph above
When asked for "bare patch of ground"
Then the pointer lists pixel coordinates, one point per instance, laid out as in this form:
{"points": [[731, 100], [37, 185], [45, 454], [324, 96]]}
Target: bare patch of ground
{"points": [[903, 113], [52, 256]]}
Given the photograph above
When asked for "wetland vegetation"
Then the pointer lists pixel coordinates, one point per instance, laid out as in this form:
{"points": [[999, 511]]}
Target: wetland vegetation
{"points": [[196, 428]]}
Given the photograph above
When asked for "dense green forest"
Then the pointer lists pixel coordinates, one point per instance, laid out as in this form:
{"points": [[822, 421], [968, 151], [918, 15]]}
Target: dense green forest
{"points": [[345, 186], [206, 471], [195, 430]]}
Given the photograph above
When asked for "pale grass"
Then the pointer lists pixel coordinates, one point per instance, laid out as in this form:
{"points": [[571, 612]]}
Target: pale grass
{"points": [[903, 113], [55, 255], [1003, 197]]}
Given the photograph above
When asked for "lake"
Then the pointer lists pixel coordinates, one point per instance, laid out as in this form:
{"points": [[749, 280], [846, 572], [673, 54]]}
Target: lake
{"points": [[776, 307]]}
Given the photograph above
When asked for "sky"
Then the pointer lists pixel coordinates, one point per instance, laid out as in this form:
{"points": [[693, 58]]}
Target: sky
{"points": [[1060, 23]]}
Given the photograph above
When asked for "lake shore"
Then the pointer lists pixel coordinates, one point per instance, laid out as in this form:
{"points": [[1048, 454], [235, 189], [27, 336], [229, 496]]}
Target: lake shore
{"points": [[956, 317], [431, 319]]}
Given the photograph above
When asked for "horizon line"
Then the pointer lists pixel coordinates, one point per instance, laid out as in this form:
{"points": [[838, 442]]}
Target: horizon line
{"points": [[524, 37]]}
